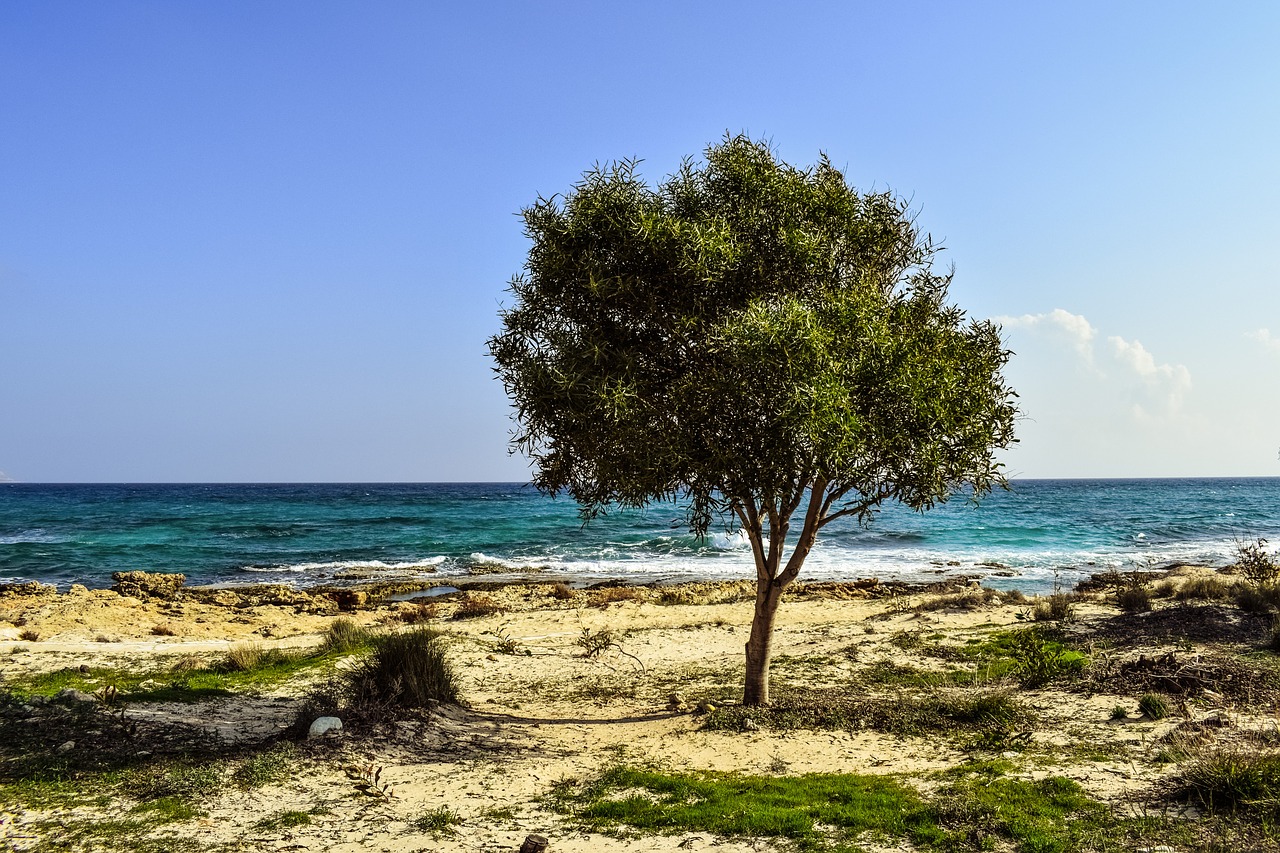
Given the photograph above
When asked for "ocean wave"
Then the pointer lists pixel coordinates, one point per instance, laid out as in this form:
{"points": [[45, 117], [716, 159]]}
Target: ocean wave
{"points": [[429, 564], [34, 536]]}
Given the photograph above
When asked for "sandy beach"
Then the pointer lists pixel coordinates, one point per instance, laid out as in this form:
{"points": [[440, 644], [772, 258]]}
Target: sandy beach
{"points": [[540, 715]]}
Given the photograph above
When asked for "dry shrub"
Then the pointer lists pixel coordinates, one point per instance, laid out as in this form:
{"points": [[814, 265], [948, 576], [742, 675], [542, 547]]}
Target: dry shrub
{"points": [[244, 657], [611, 594], [407, 670], [29, 635], [422, 612], [1135, 599], [1203, 588], [343, 636], [1015, 596], [970, 599], [477, 606], [562, 591], [1165, 589], [1263, 598], [163, 630], [1055, 608]]}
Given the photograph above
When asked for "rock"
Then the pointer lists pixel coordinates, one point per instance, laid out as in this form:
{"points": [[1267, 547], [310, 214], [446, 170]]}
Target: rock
{"points": [[70, 694], [323, 726], [64, 748], [29, 588], [350, 599], [148, 584], [78, 589], [676, 702], [84, 668]]}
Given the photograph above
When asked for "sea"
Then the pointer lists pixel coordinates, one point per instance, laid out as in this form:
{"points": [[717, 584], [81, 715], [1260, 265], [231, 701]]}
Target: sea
{"points": [[1036, 536]]}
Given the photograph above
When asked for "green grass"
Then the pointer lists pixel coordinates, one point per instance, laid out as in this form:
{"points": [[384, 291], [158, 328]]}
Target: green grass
{"points": [[181, 683], [977, 807], [438, 822], [790, 808]]}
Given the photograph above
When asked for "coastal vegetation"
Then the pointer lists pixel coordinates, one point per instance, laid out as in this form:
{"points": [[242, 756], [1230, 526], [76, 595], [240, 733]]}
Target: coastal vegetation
{"points": [[942, 718], [762, 341]]}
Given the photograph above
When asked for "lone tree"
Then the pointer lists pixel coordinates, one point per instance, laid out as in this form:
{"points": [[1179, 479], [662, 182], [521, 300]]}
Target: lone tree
{"points": [[756, 339]]}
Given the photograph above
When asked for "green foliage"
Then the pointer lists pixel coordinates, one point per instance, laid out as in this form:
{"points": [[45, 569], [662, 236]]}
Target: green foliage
{"points": [[1055, 608], [406, 670], [1235, 781], [741, 325], [265, 768], [1253, 561], [344, 636], [1154, 706], [438, 822], [1031, 655]]}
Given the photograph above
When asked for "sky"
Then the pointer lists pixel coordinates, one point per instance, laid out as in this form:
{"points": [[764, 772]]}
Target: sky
{"points": [[267, 241]]}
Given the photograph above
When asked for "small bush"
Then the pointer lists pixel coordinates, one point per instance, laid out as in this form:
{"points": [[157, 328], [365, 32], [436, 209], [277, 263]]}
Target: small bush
{"points": [[163, 630], [1015, 596], [29, 635], [344, 636], [1055, 608], [438, 821], [1119, 712], [593, 643], [1134, 599], [1253, 561], [406, 670], [1234, 781], [246, 657], [611, 594], [1263, 598], [1204, 589], [1154, 706], [970, 599], [477, 606], [562, 592], [1039, 660]]}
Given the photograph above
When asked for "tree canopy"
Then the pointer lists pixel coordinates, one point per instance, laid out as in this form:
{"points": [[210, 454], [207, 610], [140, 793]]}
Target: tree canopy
{"points": [[753, 338]]}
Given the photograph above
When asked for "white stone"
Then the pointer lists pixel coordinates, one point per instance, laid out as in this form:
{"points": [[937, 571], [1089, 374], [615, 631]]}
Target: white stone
{"points": [[324, 726]]}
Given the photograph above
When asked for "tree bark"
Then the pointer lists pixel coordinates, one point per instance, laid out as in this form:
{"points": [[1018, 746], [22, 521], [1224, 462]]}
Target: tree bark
{"points": [[760, 643]]}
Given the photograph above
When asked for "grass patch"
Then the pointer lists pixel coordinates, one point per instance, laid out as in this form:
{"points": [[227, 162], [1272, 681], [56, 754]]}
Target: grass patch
{"points": [[1234, 781], [802, 809], [976, 808], [438, 822], [244, 667]]}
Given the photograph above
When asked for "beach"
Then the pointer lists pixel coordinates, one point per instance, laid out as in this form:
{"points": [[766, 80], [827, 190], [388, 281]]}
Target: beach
{"points": [[543, 712]]}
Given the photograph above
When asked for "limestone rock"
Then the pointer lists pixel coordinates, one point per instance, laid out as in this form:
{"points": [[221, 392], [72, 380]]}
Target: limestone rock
{"points": [[148, 584], [323, 726]]}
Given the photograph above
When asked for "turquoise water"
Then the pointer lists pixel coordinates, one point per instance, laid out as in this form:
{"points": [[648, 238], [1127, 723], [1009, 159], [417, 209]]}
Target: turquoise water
{"points": [[1039, 533]]}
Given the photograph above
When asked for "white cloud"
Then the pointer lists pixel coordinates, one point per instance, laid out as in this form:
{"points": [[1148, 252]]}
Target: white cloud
{"points": [[1164, 384], [1263, 336], [1155, 389], [1074, 327]]}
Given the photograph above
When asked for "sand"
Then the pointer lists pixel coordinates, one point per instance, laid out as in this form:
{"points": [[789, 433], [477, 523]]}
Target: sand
{"points": [[548, 713]]}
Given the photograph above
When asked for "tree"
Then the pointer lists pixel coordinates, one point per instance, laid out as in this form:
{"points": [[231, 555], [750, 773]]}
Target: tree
{"points": [[756, 339]]}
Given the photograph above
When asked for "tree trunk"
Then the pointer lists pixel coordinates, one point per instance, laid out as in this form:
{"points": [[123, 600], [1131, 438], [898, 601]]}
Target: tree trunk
{"points": [[760, 643]]}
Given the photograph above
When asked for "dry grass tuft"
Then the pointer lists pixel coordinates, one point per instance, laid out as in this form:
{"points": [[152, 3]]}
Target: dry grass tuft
{"points": [[477, 606]]}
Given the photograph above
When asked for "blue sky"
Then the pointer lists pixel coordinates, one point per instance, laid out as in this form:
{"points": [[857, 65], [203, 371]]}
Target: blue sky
{"points": [[251, 241]]}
